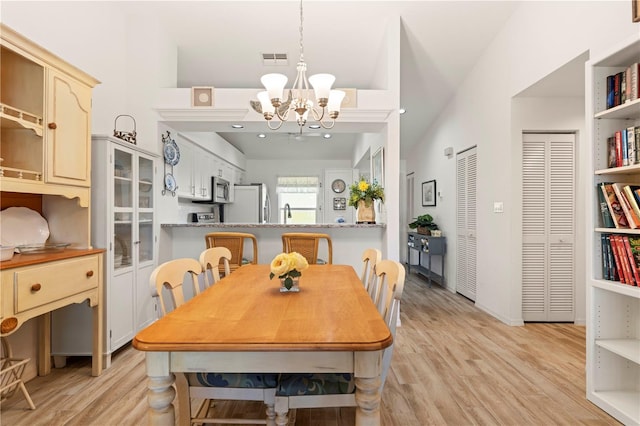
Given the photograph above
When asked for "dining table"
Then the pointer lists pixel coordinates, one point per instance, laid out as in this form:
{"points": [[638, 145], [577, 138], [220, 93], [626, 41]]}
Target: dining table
{"points": [[245, 324]]}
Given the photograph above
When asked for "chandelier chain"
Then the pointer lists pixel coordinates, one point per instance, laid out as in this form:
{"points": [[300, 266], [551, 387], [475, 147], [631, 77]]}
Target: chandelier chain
{"points": [[301, 41]]}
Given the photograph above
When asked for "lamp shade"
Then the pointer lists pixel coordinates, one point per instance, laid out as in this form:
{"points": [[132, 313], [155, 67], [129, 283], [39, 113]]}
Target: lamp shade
{"points": [[274, 83], [267, 106], [322, 84], [335, 100]]}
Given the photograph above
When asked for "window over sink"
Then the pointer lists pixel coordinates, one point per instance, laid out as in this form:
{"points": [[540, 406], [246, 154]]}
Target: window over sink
{"points": [[298, 199]]}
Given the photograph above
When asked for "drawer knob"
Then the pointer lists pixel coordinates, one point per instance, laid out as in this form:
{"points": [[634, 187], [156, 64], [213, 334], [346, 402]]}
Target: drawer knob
{"points": [[8, 325], [53, 126], [89, 274], [36, 287]]}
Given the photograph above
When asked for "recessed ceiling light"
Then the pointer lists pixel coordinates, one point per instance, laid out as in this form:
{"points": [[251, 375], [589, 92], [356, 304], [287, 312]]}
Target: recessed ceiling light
{"points": [[237, 126], [402, 110], [314, 126], [327, 136], [261, 135]]}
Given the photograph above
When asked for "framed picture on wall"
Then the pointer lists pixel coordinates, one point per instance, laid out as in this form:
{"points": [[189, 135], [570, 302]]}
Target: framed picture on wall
{"points": [[635, 10], [429, 193], [202, 97], [377, 167]]}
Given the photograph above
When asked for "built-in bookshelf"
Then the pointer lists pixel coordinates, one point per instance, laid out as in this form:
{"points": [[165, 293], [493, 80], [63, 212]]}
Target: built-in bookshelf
{"points": [[613, 307]]}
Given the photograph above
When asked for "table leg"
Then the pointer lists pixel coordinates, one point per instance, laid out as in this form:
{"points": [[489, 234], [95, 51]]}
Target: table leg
{"points": [[368, 400], [44, 350], [160, 392], [160, 396]]}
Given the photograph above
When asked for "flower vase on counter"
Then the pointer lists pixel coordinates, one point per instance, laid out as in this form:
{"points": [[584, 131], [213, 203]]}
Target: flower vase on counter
{"points": [[366, 214]]}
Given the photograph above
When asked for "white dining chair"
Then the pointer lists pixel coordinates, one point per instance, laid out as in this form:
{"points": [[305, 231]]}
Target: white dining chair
{"points": [[338, 389], [370, 257], [210, 260], [209, 386]]}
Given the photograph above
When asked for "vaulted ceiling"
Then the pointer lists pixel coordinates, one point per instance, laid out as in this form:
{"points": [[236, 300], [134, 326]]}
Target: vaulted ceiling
{"points": [[220, 44]]}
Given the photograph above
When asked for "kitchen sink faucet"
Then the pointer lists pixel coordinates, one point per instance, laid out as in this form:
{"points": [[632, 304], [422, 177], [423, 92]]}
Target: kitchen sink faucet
{"points": [[287, 208]]}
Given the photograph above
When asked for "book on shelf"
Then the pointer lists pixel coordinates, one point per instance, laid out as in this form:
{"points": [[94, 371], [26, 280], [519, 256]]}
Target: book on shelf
{"points": [[631, 142], [607, 220], [632, 261], [631, 197], [610, 260], [606, 267], [611, 150], [625, 148], [618, 216], [624, 260], [623, 87], [618, 136], [634, 243], [632, 218], [616, 258], [616, 88], [636, 137], [633, 90], [610, 91]]}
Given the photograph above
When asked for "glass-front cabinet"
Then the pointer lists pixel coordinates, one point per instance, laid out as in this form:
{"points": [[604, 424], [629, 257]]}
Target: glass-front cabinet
{"points": [[123, 222]]}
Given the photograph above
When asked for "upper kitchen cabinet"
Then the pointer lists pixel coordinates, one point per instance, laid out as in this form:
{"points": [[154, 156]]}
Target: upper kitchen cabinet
{"points": [[45, 113]]}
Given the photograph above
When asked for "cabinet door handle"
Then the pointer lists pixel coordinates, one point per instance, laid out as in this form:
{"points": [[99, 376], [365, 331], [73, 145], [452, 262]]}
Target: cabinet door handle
{"points": [[36, 287], [53, 126], [89, 274]]}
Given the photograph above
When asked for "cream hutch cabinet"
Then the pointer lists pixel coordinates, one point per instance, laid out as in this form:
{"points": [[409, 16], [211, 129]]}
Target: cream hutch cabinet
{"points": [[45, 122], [123, 221]]}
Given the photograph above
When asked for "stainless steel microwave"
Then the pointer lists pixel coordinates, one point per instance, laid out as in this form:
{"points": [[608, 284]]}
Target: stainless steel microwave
{"points": [[220, 192]]}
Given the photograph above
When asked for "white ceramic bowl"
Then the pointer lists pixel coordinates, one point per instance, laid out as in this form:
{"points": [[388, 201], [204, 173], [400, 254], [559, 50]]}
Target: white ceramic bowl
{"points": [[6, 252]]}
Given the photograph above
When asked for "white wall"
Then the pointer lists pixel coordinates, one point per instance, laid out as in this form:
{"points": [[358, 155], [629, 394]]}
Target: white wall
{"points": [[539, 38]]}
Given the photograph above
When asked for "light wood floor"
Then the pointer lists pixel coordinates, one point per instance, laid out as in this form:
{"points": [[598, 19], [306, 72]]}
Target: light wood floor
{"points": [[452, 365]]}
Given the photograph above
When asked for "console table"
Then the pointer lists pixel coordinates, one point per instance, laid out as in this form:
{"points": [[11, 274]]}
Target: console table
{"points": [[426, 246]]}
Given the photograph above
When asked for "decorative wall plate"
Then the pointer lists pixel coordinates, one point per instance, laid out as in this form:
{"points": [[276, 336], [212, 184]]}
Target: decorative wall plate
{"points": [[171, 152], [338, 186], [170, 182]]}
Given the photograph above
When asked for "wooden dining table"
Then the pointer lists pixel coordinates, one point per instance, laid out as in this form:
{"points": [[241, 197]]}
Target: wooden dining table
{"points": [[244, 324]]}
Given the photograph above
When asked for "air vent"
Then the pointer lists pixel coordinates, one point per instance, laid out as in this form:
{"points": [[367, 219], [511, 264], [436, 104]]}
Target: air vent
{"points": [[275, 59]]}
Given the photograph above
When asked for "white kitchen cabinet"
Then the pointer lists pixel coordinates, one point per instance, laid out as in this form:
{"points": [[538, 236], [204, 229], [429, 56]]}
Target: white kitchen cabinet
{"points": [[193, 172], [613, 309], [123, 221]]}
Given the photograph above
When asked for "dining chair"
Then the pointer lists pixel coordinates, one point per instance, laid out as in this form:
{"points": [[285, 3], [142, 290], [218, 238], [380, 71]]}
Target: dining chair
{"points": [[370, 257], [317, 390], [210, 386], [307, 244], [210, 259], [234, 241]]}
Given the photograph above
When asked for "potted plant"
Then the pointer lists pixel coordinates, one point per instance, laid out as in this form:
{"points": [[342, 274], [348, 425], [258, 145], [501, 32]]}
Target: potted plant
{"points": [[424, 223], [361, 196]]}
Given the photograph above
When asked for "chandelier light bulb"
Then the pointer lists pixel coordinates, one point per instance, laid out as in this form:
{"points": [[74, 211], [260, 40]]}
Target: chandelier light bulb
{"points": [[335, 100], [265, 102], [322, 86], [274, 83]]}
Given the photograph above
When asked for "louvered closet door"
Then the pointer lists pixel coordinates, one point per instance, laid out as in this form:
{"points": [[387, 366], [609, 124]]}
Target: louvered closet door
{"points": [[548, 210], [466, 176]]}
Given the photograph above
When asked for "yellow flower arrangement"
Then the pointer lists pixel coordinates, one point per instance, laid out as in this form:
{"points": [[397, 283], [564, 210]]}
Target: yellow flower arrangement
{"points": [[363, 190], [288, 266]]}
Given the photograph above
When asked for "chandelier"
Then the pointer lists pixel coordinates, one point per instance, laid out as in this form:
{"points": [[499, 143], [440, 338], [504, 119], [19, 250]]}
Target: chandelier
{"points": [[271, 105]]}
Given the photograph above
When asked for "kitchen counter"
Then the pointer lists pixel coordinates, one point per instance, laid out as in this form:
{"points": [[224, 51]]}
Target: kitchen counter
{"points": [[349, 239]]}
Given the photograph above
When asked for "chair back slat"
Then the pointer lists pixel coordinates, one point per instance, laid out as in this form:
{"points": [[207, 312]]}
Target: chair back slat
{"points": [[211, 260], [170, 275], [307, 244], [370, 257]]}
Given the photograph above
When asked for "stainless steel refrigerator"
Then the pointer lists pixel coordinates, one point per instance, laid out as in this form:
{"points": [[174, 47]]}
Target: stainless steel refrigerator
{"points": [[250, 204]]}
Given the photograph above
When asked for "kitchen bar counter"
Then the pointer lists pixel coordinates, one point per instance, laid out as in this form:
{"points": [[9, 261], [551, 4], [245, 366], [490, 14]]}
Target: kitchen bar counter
{"points": [[349, 240]]}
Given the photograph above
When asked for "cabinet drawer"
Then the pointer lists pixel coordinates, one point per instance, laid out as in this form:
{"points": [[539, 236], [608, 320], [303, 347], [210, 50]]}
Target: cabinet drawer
{"points": [[45, 284]]}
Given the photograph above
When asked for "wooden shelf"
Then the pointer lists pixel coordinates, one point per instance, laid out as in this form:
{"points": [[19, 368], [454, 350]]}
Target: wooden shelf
{"points": [[628, 110], [618, 231], [626, 348], [624, 404], [14, 118], [616, 287]]}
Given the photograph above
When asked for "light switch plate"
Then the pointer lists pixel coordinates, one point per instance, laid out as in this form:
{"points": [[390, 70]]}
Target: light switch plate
{"points": [[498, 207]]}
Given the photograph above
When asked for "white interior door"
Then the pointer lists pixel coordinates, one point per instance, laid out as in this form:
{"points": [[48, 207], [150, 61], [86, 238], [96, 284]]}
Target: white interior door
{"points": [[548, 217], [466, 239]]}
